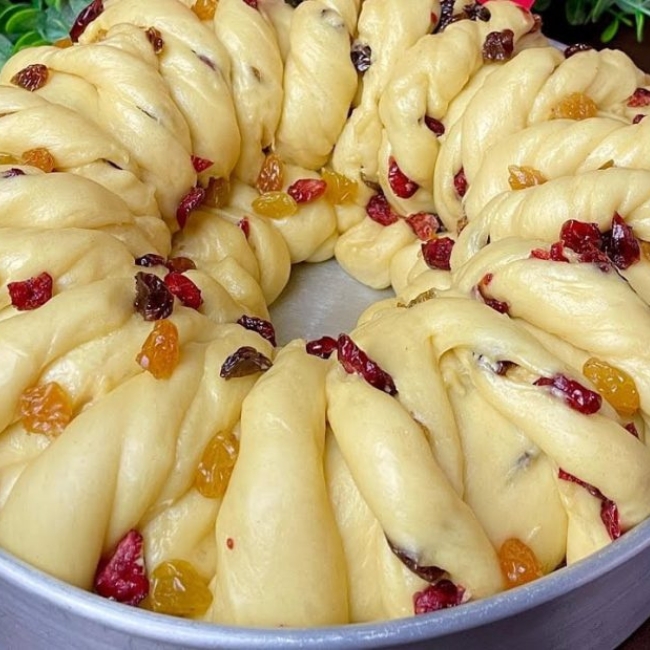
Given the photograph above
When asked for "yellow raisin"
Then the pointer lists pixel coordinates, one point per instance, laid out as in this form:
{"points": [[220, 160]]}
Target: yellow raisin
{"points": [[522, 177], [160, 352], [63, 43], [271, 175], [45, 409], [614, 384], [176, 588], [216, 465], [519, 564], [645, 249], [205, 9], [340, 188], [607, 164], [8, 158], [576, 106], [39, 157], [275, 205], [217, 193]]}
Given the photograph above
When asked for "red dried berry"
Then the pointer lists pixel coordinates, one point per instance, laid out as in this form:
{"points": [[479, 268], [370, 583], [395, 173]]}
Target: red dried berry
{"points": [[442, 595], [150, 259], [554, 254], [355, 360], [576, 48], [437, 253], [32, 77], [184, 289], [322, 347], [399, 182], [306, 190], [639, 98], [122, 577], [361, 55], [620, 244], [425, 225], [153, 300], [85, 17], [156, 39], [251, 3], [200, 164], [244, 361], [460, 183], [499, 46], [31, 293], [637, 118], [245, 226], [14, 171], [379, 210], [498, 305], [434, 125], [191, 201], [180, 264], [575, 395], [428, 573], [632, 429], [259, 325], [580, 236]]}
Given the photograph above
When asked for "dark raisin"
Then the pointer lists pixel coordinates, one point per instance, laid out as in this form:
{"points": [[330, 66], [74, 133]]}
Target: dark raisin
{"points": [[428, 573], [153, 300], [11, 173], [355, 360], [259, 325], [620, 244], [180, 264], [156, 40], [476, 11], [243, 362], [322, 347], [361, 55], [434, 125], [85, 17], [442, 595], [575, 395], [293, 3], [499, 46], [446, 14], [150, 259], [32, 77], [576, 48]]}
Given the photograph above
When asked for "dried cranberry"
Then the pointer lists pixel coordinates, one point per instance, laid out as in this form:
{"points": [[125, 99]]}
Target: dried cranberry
{"points": [[476, 11], [399, 182], [191, 201], [379, 210], [632, 429], [576, 48], [575, 395], [428, 573], [499, 46], [153, 300], [122, 577], [11, 173], [425, 225], [150, 259], [209, 62], [322, 347], [639, 98], [243, 362], [361, 55], [355, 360], [460, 183], [442, 595], [31, 293], [498, 305], [245, 226], [580, 236], [434, 125], [620, 244], [437, 253], [184, 289], [32, 77], [306, 190], [251, 3], [637, 118], [180, 264], [200, 164], [85, 17], [555, 253], [446, 14], [156, 39], [259, 325]]}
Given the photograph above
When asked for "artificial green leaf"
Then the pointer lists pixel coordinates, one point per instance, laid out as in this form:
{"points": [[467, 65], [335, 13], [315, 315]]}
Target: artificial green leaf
{"points": [[29, 39], [610, 31], [22, 21], [640, 22], [575, 12], [6, 14], [6, 49]]}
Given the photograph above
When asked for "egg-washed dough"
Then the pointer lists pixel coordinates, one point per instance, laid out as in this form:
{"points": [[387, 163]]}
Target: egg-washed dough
{"points": [[339, 487]]}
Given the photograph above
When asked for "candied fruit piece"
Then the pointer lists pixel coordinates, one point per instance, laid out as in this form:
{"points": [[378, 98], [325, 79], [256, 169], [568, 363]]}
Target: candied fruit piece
{"points": [[85, 17], [306, 190], [402, 186], [575, 395], [428, 573], [442, 595], [45, 409], [522, 177], [361, 55], [355, 361], [340, 188], [216, 465], [190, 202], [156, 39], [259, 325], [40, 158], [576, 106], [271, 176], [275, 205], [379, 210], [200, 164], [244, 361], [499, 46], [31, 293], [184, 289], [614, 384], [160, 352], [519, 564], [322, 347], [217, 192], [205, 9], [179, 590], [32, 77], [153, 300], [437, 253], [122, 576]]}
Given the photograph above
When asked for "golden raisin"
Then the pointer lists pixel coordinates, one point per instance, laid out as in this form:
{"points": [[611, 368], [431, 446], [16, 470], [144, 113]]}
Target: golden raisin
{"points": [[519, 564], [645, 249], [45, 409], [39, 157], [275, 205], [216, 465], [607, 164], [176, 588], [63, 43], [205, 9], [160, 352], [522, 177], [614, 384], [340, 188], [576, 106], [271, 175], [217, 192], [8, 158]]}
